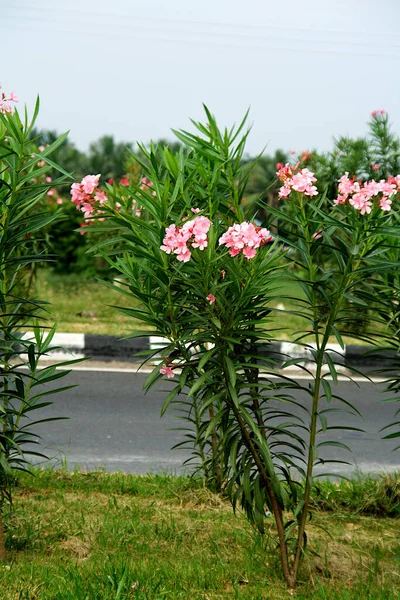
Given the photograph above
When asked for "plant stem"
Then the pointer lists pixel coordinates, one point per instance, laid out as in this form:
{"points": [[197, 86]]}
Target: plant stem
{"points": [[321, 347], [216, 470], [276, 509], [2, 539]]}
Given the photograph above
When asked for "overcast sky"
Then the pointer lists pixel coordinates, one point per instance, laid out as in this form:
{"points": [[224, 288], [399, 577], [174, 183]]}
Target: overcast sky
{"points": [[309, 69]]}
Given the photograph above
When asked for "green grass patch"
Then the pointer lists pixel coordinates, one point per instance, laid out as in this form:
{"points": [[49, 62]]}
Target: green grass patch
{"points": [[89, 536], [84, 306], [365, 495]]}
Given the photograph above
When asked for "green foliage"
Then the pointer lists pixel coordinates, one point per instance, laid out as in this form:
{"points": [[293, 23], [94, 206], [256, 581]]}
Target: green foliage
{"points": [[365, 495], [240, 414], [22, 220], [375, 156], [107, 157], [66, 154], [262, 185]]}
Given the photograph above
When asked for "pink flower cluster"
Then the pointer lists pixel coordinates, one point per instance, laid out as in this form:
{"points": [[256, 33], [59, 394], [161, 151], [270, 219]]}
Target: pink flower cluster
{"points": [[176, 239], [302, 181], [5, 105], [395, 181], [245, 238], [87, 196], [376, 113], [360, 196]]}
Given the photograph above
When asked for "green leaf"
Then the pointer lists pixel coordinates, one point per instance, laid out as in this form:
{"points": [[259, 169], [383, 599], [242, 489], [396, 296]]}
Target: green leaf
{"points": [[327, 389], [231, 371], [331, 366], [205, 358], [32, 357], [170, 397]]}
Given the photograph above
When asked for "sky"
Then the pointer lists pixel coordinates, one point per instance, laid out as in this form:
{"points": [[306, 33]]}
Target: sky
{"points": [[309, 70]]}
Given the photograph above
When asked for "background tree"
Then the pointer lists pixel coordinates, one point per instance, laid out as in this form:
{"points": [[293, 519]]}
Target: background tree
{"points": [[108, 157]]}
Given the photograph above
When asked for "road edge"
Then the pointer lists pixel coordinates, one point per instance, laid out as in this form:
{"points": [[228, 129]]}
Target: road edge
{"points": [[110, 348]]}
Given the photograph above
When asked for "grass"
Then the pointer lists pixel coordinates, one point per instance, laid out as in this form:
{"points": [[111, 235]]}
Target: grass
{"points": [[89, 536], [86, 306]]}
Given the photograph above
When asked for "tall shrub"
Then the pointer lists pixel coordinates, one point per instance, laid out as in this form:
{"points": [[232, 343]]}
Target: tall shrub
{"points": [[205, 278], [22, 219]]}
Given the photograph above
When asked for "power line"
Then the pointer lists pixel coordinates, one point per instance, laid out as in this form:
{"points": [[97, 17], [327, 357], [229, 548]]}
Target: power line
{"points": [[240, 26], [220, 41]]}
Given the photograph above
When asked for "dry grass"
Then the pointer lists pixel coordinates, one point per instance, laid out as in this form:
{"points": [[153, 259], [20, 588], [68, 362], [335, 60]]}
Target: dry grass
{"points": [[78, 536]]}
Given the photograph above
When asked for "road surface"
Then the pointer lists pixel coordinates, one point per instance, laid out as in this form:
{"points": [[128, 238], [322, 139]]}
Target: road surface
{"points": [[112, 424]]}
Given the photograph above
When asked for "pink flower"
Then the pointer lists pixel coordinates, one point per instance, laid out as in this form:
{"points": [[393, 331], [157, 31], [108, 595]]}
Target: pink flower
{"points": [[100, 197], [376, 113], [200, 227], [50, 193], [124, 181], [249, 252], [5, 106], [285, 172], [388, 188], [300, 182], [211, 298], [394, 181], [361, 197], [360, 202], [385, 203], [88, 197], [165, 370], [183, 254], [193, 231], [375, 167], [195, 210], [59, 201], [317, 235], [48, 179], [245, 238], [284, 191], [89, 183], [87, 210], [371, 188], [346, 186]]}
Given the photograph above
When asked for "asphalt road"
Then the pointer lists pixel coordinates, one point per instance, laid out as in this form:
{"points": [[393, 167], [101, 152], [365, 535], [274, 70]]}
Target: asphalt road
{"points": [[112, 424]]}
